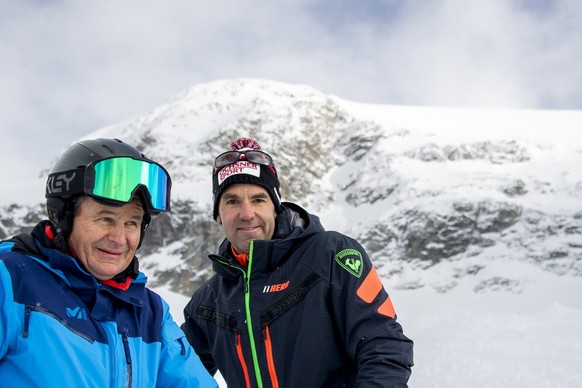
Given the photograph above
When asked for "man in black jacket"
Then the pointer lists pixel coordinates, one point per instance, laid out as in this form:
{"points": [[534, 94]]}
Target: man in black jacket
{"points": [[291, 304]]}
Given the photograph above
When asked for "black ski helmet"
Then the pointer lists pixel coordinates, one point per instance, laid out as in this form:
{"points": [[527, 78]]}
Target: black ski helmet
{"points": [[73, 163]]}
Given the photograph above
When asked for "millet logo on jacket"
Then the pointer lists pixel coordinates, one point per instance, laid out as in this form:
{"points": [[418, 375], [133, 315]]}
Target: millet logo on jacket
{"points": [[351, 261], [77, 312]]}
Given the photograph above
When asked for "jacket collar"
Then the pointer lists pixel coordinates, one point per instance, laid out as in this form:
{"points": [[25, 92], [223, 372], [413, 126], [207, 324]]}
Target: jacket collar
{"points": [[293, 225], [41, 248]]}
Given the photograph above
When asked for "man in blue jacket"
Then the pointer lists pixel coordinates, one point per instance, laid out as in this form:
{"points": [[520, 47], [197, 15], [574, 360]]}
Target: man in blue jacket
{"points": [[74, 308], [290, 305]]}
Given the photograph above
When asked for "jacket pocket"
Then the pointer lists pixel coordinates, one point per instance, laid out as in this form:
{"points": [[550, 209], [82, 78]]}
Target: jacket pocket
{"points": [[241, 359], [78, 314], [270, 360], [290, 299]]}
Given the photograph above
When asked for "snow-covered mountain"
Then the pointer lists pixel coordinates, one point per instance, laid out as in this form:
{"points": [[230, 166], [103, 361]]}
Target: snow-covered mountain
{"points": [[438, 197], [475, 205]]}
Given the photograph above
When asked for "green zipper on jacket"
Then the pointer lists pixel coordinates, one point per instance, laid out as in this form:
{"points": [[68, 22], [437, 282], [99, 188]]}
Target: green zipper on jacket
{"points": [[249, 321], [247, 295]]}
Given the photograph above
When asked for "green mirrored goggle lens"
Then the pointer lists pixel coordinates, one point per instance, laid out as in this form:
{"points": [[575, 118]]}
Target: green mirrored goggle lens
{"points": [[117, 179]]}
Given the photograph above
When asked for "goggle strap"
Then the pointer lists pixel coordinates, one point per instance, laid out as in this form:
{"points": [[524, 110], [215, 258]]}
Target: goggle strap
{"points": [[81, 181], [66, 183]]}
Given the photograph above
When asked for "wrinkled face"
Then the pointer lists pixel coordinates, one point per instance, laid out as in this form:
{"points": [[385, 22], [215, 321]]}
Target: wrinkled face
{"points": [[105, 238], [246, 213]]}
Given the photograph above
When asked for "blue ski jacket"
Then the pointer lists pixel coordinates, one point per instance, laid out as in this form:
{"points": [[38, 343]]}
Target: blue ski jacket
{"points": [[60, 327], [308, 310]]}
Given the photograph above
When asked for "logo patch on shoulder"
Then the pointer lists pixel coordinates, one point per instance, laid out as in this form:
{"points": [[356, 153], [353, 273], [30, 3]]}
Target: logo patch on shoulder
{"points": [[351, 260]]}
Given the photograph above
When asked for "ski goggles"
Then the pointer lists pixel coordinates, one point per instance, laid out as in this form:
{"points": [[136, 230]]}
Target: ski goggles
{"points": [[116, 179], [253, 156]]}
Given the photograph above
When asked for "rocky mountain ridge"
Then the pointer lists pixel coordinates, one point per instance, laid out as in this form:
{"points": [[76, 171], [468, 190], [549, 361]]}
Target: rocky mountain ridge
{"points": [[433, 207]]}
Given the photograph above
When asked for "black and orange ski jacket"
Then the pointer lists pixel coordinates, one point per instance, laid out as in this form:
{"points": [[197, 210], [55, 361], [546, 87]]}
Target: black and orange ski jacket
{"points": [[309, 310]]}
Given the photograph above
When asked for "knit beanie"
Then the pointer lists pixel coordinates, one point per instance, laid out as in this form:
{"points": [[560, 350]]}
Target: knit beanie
{"points": [[244, 170]]}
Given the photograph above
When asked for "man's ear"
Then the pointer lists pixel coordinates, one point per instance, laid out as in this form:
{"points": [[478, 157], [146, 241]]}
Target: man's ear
{"points": [[219, 220]]}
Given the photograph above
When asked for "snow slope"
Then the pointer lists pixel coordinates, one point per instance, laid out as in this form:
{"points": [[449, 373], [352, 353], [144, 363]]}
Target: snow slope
{"points": [[522, 330]]}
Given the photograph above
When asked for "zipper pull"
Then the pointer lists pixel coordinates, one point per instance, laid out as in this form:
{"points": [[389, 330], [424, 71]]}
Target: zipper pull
{"points": [[27, 312], [128, 376], [183, 351]]}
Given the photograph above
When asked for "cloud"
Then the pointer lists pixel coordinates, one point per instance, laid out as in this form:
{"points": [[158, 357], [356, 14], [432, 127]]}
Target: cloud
{"points": [[71, 67]]}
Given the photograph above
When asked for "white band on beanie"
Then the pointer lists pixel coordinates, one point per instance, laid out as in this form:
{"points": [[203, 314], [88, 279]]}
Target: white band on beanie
{"points": [[240, 167]]}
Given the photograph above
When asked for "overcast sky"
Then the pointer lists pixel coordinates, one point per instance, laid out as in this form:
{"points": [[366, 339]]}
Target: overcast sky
{"points": [[69, 67]]}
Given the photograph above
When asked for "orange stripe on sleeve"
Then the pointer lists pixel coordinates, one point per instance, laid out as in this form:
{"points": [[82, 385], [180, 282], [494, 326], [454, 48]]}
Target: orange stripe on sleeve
{"points": [[387, 308], [371, 286]]}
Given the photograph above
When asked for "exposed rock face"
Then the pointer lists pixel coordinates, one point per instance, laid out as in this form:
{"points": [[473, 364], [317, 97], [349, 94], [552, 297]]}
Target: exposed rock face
{"points": [[431, 212]]}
